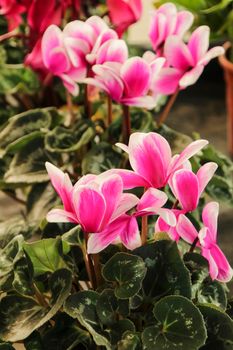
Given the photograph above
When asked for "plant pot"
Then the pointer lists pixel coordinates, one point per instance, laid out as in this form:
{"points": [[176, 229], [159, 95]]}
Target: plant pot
{"points": [[227, 66]]}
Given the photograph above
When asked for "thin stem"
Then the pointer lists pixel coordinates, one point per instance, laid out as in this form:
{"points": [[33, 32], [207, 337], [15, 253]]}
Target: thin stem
{"points": [[97, 269], [126, 124], [193, 246], [163, 116], [14, 197], [88, 264], [175, 205], [87, 102], [144, 227], [109, 102], [40, 296], [70, 107]]}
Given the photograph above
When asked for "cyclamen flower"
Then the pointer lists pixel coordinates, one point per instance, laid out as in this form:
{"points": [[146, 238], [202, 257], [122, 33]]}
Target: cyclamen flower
{"points": [[70, 53], [187, 188], [151, 160], [123, 13], [126, 83], [219, 267], [167, 21], [12, 10], [186, 62]]}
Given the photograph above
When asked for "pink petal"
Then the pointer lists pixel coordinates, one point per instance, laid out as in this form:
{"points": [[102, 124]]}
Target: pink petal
{"points": [[158, 29], [167, 81], [190, 77], [111, 189], [210, 219], [90, 208], [62, 184], [147, 102], [58, 61], [164, 226], [76, 49], [212, 53], [199, 42], [114, 50], [167, 215], [213, 268], [52, 39], [183, 22], [97, 24], [60, 215], [102, 38], [186, 229], [99, 241], [70, 84], [135, 73], [151, 200], [130, 235], [225, 272], [193, 148], [123, 147], [126, 202], [177, 53], [130, 178], [80, 30], [205, 174], [149, 156], [84, 180], [185, 187]]}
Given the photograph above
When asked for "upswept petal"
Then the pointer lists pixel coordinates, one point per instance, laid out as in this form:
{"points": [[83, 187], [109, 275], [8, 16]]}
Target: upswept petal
{"points": [[135, 73], [212, 53], [149, 156], [167, 81], [205, 174], [80, 30], [60, 215], [210, 219], [189, 151], [177, 53], [213, 268], [158, 29], [147, 102], [185, 187], [186, 229], [151, 200], [76, 49], [70, 84], [113, 50], [190, 77], [97, 24], [52, 39], [129, 233], [199, 42], [126, 202], [167, 215], [86, 201], [225, 272], [184, 20], [84, 180], [130, 178], [99, 241]]}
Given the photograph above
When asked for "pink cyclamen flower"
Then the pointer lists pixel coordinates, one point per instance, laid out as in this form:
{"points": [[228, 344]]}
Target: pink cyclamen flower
{"points": [[187, 188], [219, 267], [186, 61], [12, 10], [151, 159], [123, 13], [70, 53], [125, 229], [167, 21], [126, 83]]}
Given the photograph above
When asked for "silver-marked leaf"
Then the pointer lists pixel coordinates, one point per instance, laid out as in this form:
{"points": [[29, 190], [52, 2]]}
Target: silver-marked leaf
{"points": [[23, 273], [179, 325], [129, 341], [82, 306], [127, 271], [21, 315], [219, 328]]}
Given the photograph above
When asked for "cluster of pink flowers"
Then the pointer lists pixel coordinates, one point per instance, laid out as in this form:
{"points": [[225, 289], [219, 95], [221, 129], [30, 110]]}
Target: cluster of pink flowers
{"points": [[92, 53], [109, 216], [40, 14]]}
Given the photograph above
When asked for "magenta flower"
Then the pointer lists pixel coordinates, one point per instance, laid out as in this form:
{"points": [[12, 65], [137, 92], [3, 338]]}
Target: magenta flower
{"points": [[70, 53], [123, 13], [219, 267], [187, 188], [12, 10], [186, 62], [126, 83], [167, 21], [151, 160]]}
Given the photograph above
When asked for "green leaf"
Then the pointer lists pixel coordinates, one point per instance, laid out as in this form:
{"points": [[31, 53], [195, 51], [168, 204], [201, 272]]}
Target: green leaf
{"points": [[45, 255], [66, 335], [82, 306], [6, 346], [34, 342], [127, 271], [23, 128], [176, 140], [166, 272], [101, 157], [221, 189], [21, 315], [129, 341], [212, 292], [219, 328], [179, 325], [9, 255], [61, 139], [218, 7], [23, 272], [108, 307], [74, 237], [14, 227]]}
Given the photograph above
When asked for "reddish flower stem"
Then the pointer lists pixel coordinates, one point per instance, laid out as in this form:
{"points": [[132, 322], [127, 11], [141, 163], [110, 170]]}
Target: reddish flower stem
{"points": [[97, 269], [87, 102], [109, 103], [70, 107], [163, 116], [193, 246], [126, 124], [88, 264], [144, 227]]}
